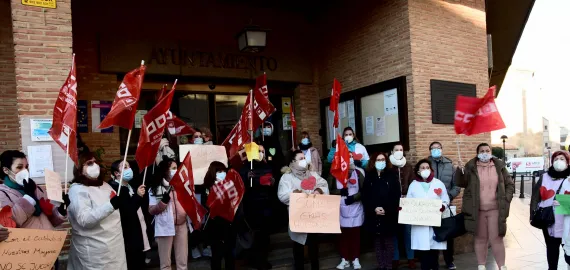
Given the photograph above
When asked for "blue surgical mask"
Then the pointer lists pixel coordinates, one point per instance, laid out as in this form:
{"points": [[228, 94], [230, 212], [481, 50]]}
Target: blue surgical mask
{"points": [[128, 174], [436, 153], [198, 141], [267, 131], [221, 175], [351, 160], [305, 141], [380, 165]]}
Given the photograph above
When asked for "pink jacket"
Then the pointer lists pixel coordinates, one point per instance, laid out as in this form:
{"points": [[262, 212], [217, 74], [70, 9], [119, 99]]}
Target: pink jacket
{"points": [[22, 210], [179, 213]]}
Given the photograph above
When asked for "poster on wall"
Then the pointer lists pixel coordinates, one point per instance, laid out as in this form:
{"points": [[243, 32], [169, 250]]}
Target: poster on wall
{"points": [[40, 158], [100, 109], [286, 104], [82, 116], [391, 102], [39, 129], [286, 122]]}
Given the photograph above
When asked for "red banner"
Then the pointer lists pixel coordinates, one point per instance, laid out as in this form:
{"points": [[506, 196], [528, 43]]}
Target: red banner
{"points": [[153, 125], [175, 125], [124, 108], [239, 135], [261, 85], [225, 196], [477, 115], [183, 183], [335, 98], [339, 166], [64, 125]]}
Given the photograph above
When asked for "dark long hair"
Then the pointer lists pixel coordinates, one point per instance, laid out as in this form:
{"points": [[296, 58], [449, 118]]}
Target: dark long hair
{"points": [[78, 176], [417, 167], [210, 177], [371, 167], [353, 133], [292, 156], [7, 159], [163, 172]]}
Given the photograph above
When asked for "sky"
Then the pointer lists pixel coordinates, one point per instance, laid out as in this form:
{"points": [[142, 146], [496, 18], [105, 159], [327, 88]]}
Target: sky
{"points": [[544, 48]]}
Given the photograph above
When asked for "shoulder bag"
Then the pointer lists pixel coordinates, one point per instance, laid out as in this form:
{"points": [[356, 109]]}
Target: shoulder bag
{"points": [[543, 217], [451, 227]]}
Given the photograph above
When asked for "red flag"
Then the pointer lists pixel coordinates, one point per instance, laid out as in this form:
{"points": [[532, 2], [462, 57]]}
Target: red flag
{"points": [[477, 115], [261, 84], [262, 109], [124, 107], [225, 196], [153, 125], [339, 167], [177, 126], [183, 183], [335, 97], [64, 124]]}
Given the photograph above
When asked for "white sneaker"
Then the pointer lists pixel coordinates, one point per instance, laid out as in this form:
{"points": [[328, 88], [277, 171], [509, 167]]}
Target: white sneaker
{"points": [[481, 267], [196, 253], [356, 264], [343, 264], [503, 267], [207, 252]]}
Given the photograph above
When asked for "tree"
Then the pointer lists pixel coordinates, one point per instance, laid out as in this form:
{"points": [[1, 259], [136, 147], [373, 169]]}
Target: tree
{"points": [[497, 152]]}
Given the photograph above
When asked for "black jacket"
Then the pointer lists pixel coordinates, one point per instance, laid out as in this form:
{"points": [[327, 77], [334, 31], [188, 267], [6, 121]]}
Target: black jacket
{"points": [[275, 160], [132, 232], [383, 191], [257, 198]]}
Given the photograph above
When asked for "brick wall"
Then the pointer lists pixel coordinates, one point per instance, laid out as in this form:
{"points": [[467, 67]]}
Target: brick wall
{"points": [[307, 113], [9, 124]]}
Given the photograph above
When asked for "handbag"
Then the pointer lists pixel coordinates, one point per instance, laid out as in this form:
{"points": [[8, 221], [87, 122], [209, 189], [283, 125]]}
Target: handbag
{"points": [[451, 227], [543, 217]]}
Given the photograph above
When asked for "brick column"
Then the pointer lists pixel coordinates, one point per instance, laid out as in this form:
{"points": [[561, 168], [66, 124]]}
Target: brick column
{"points": [[307, 114], [9, 125], [42, 53]]}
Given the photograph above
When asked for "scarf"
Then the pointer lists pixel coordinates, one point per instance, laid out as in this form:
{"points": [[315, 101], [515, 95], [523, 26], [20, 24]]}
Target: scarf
{"points": [[301, 173], [428, 180], [554, 174], [305, 147], [9, 183], [398, 162]]}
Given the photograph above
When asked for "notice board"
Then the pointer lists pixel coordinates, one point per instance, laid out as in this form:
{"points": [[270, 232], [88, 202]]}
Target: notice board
{"points": [[380, 118]]}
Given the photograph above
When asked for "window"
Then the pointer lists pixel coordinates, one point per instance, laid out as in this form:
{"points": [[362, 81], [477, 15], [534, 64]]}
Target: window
{"points": [[347, 118]]}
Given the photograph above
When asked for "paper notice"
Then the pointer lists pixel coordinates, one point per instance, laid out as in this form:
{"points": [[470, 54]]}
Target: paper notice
{"points": [[425, 212], [53, 185], [380, 126], [350, 108], [352, 123], [369, 125], [39, 158], [314, 214], [342, 110], [391, 102], [31, 249], [139, 117]]}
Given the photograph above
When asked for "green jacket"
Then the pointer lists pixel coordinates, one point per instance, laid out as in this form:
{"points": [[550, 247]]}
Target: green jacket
{"points": [[470, 181]]}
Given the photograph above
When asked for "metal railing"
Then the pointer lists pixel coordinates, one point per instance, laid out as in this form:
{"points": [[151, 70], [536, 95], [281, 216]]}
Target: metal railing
{"points": [[524, 178]]}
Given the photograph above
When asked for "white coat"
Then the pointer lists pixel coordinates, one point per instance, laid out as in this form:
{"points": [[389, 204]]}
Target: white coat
{"points": [[422, 236], [96, 234], [287, 185], [163, 222]]}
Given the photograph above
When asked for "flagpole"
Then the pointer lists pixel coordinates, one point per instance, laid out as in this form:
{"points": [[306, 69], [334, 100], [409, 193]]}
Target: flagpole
{"points": [[144, 176], [250, 125], [124, 161], [66, 161], [457, 142]]}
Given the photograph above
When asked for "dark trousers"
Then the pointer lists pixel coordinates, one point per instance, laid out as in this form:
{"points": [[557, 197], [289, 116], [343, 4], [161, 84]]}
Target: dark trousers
{"points": [[349, 243], [223, 249], [384, 246], [260, 248], [299, 253], [429, 259], [135, 259], [448, 254], [552, 249]]}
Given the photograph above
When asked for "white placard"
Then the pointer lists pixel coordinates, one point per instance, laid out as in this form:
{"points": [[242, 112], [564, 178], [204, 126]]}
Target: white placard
{"points": [[39, 159], [424, 212], [53, 185], [391, 102], [369, 125], [202, 156], [39, 130]]}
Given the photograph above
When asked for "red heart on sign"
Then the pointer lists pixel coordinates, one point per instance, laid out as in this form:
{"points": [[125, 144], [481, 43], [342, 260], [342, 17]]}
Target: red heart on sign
{"points": [[566, 192], [6, 217], [352, 181], [309, 183], [113, 194], [437, 191], [357, 156], [546, 194], [46, 207]]}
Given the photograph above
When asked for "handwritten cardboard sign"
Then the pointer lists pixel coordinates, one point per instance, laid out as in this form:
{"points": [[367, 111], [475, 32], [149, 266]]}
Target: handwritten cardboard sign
{"points": [[314, 214], [425, 212], [53, 185], [31, 249], [202, 156]]}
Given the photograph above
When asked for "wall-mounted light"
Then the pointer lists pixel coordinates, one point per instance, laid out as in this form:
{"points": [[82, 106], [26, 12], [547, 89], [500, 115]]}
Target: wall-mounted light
{"points": [[252, 39]]}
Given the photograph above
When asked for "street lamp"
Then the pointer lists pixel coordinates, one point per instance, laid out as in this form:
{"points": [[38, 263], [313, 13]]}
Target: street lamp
{"points": [[252, 39], [504, 138]]}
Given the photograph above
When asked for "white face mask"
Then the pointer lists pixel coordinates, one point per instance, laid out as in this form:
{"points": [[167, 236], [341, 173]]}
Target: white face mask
{"points": [[398, 154], [260, 155], [21, 176], [93, 171], [302, 163], [172, 173], [484, 157], [348, 138], [425, 174], [560, 165]]}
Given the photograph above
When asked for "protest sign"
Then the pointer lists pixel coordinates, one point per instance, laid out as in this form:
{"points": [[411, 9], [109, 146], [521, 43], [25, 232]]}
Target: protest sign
{"points": [[424, 212], [31, 249], [564, 207], [314, 213], [53, 185], [203, 155]]}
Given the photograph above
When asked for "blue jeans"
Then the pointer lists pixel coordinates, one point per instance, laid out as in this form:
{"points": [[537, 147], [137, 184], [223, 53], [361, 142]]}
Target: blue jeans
{"points": [[407, 232]]}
